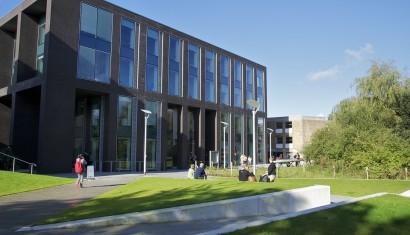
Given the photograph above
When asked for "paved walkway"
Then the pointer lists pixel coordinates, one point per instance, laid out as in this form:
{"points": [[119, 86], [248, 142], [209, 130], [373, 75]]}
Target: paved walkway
{"points": [[20, 210]]}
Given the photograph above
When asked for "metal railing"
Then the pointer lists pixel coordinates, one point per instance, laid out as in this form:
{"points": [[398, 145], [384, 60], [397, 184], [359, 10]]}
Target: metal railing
{"points": [[20, 160]]}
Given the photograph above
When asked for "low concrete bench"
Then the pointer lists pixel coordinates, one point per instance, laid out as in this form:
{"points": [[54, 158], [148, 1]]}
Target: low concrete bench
{"points": [[265, 204]]}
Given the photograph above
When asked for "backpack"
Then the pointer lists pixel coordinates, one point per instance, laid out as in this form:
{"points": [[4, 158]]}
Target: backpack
{"points": [[78, 167]]}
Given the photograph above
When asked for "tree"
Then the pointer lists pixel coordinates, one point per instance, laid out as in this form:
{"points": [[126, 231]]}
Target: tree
{"points": [[370, 129]]}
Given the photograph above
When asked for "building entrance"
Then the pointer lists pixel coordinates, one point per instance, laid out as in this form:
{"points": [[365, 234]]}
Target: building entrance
{"points": [[88, 131]]}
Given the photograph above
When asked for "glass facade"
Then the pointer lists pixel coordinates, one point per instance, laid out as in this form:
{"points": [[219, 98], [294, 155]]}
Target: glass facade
{"points": [[40, 44], [193, 72], [237, 84], [249, 85], [94, 54], [260, 158], [249, 139], [174, 66], [127, 53], [152, 134], [210, 76], [152, 68], [172, 137], [124, 133], [225, 79], [225, 147], [238, 138], [260, 86]]}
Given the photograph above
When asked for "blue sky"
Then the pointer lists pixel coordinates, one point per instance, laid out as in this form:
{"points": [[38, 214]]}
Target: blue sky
{"points": [[313, 50]]}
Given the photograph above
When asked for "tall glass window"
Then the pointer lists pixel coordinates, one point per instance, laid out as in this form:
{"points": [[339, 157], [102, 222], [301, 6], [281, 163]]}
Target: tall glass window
{"points": [[124, 132], [210, 76], [225, 78], [127, 53], [249, 85], [193, 72], [152, 127], [225, 132], [238, 138], [260, 85], [94, 55], [249, 139], [152, 69], [40, 44], [174, 66], [238, 83], [172, 137], [96, 120], [260, 157]]}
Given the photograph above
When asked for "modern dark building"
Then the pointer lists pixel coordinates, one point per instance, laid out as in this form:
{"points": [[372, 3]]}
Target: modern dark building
{"points": [[75, 75]]}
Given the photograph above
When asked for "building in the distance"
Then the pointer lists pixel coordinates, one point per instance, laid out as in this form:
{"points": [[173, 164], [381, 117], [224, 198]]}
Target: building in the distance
{"points": [[290, 134], [74, 76]]}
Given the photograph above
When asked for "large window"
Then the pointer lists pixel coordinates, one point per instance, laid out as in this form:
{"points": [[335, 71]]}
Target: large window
{"points": [[152, 69], [210, 76], [260, 86], [152, 127], [249, 139], [225, 117], [238, 138], [238, 84], [174, 66], [225, 78], [94, 53], [260, 157], [193, 72], [249, 85], [124, 132], [40, 44], [127, 53]]}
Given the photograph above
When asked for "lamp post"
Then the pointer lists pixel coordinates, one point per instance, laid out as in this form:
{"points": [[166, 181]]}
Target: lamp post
{"points": [[270, 141], [147, 113], [255, 107], [225, 125]]}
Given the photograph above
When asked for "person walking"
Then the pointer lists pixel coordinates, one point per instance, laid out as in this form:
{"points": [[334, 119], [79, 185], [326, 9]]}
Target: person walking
{"points": [[79, 168]]}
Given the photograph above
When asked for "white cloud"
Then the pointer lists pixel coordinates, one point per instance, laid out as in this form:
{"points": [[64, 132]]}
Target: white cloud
{"points": [[361, 55], [329, 74], [353, 58]]}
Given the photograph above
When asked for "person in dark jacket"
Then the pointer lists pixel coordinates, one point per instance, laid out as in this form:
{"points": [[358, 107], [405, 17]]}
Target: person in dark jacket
{"points": [[200, 172], [272, 170]]}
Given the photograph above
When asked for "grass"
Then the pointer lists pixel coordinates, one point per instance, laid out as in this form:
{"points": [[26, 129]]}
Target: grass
{"points": [[157, 193], [15, 182], [389, 214]]}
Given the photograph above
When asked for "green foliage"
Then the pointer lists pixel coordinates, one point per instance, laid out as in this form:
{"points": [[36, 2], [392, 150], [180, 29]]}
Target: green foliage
{"points": [[371, 129]]}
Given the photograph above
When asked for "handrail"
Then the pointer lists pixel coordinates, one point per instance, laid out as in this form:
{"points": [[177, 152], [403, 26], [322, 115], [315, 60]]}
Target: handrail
{"points": [[14, 162]]}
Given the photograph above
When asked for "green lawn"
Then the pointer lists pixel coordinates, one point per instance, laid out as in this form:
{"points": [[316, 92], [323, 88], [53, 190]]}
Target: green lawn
{"points": [[15, 182], [157, 193], [389, 214]]}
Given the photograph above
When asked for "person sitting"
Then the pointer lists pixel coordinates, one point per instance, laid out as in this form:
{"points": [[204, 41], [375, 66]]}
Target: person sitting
{"points": [[244, 173], [272, 169], [191, 172], [200, 172]]}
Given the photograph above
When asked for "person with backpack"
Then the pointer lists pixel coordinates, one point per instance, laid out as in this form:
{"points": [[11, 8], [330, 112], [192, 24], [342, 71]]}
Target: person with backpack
{"points": [[79, 168]]}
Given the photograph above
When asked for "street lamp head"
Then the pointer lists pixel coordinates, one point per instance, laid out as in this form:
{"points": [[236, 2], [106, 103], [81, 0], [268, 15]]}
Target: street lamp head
{"points": [[253, 103], [146, 111], [270, 130], [225, 124]]}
